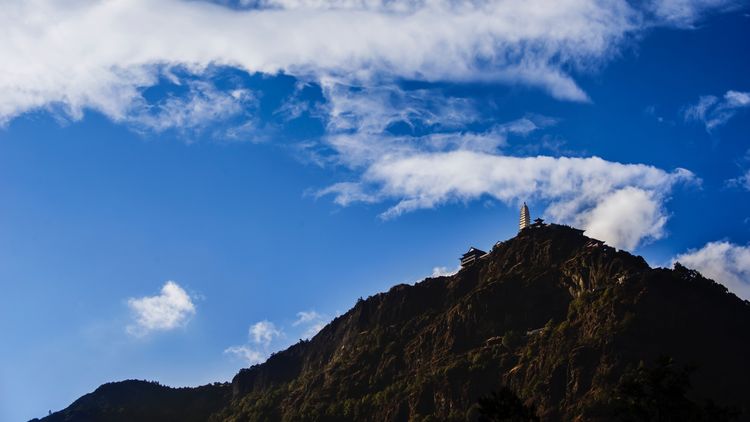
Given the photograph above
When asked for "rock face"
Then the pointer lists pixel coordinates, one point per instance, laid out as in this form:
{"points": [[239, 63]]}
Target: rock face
{"points": [[553, 315]]}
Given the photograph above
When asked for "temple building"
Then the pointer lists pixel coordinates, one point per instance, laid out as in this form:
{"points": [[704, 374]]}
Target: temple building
{"points": [[525, 219], [472, 255]]}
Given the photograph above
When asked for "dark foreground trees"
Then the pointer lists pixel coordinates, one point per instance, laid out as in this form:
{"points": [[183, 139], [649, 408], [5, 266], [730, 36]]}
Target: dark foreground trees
{"points": [[659, 393]]}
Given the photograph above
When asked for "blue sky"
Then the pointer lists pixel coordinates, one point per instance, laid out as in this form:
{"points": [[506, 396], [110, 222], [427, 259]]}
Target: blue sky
{"points": [[180, 200]]}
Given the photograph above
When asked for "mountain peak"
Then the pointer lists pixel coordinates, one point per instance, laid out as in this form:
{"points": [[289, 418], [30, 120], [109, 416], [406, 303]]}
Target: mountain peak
{"points": [[555, 316]]}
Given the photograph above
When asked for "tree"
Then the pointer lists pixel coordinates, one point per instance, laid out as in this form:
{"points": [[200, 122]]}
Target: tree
{"points": [[659, 394]]}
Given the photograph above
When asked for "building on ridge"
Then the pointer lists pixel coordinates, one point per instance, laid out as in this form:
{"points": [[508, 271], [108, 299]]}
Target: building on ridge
{"points": [[525, 220], [472, 255]]}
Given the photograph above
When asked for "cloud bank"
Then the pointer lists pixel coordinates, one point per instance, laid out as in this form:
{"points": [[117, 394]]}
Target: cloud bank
{"points": [[170, 309], [619, 203], [724, 262], [311, 321], [74, 55]]}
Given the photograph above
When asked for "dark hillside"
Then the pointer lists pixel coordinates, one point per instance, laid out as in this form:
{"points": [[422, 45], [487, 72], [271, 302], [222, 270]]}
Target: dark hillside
{"points": [[558, 318], [144, 401]]}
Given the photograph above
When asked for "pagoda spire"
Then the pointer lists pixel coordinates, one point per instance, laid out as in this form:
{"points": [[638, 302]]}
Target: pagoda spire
{"points": [[525, 220]]}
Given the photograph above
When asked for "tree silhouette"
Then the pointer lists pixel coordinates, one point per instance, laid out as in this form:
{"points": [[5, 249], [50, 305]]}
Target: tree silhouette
{"points": [[659, 394]]}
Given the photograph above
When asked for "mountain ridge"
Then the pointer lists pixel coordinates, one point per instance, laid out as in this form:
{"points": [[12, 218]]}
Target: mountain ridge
{"points": [[555, 316]]}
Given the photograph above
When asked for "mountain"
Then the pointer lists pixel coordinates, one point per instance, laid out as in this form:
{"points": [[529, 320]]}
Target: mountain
{"points": [[562, 325], [133, 400]]}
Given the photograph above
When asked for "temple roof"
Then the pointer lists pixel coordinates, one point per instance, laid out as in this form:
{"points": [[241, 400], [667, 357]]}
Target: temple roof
{"points": [[474, 251]]}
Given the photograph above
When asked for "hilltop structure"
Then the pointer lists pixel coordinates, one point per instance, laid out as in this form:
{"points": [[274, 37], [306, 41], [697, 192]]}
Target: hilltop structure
{"points": [[525, 219], [524, 222], [472, 255]]}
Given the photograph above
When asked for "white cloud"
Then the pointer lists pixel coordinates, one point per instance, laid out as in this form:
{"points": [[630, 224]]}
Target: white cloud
{"points": [[171, 309], [685, 13], [737, 99], [443, 271], [306, 317], [246, 353], [724, 262], [622, 204], [625, 217], [585, 192], [264, 332], [742, 181], [714, 112], [347, 193], [86, 54], [374, 109]]}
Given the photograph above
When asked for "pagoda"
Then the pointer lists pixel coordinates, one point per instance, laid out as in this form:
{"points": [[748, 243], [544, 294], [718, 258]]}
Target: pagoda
{"points": [[525, 220]]}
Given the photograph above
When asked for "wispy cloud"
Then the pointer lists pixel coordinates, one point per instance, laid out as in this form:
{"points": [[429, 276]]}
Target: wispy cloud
{"points": [[261, 336], [653, 112], [311, 321], [686, 13], [375, 109], [714, 112], [202, 106], [724, 262], [742, 181], [361, 124], [623, 204], [170, 309], [247, 354], [306, 317]]}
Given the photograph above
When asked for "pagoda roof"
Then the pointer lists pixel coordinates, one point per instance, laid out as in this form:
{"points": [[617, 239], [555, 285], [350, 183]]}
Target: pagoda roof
{"points": [[474, 251]]}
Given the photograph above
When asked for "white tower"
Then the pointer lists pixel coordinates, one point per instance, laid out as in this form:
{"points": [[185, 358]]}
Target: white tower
{"points": [[525, 220]]}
